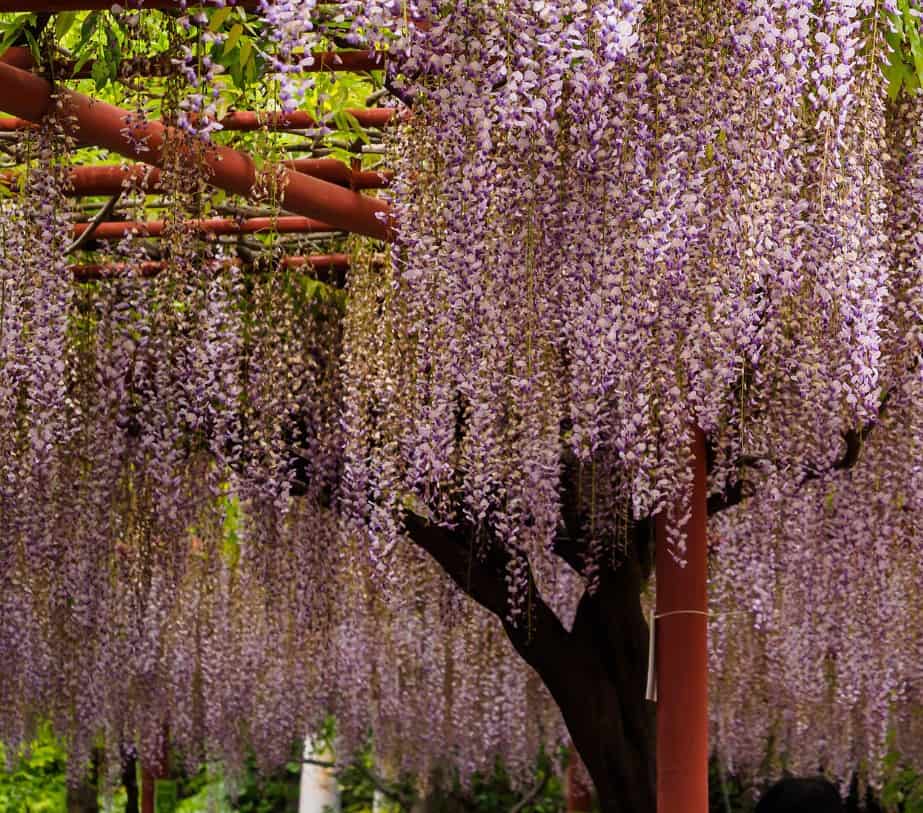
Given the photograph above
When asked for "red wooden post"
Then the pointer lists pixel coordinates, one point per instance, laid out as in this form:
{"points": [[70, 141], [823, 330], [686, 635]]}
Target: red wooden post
{"points": [[682, 657], [149, 777], [147, 790]]}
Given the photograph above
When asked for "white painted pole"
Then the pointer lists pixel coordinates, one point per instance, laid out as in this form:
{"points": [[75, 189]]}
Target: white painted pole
{"points": [[319, 791]]}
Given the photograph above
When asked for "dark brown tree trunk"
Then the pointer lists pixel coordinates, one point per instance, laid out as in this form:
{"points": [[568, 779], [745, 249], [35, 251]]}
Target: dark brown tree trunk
{"points": [[130, 781], [596, 672], [578, 795], [600, 692], [84, 797]]}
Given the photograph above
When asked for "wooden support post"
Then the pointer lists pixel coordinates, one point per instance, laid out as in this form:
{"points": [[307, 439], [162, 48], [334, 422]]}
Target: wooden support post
{"points": [[151, 773], [682, 655], [147, 790]]}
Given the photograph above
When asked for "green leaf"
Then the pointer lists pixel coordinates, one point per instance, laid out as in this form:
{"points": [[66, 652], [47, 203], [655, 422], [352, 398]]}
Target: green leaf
{"points": [[100, 73], [64, 22], [246, 53], [233, 37], [33, 44], [90, 24], [14, 28], [250, 68], [219, 17], [895, 72]]}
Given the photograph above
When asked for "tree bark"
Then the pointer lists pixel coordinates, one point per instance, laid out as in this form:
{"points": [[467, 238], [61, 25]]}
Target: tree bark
{"points": [[84, 797], [130, 781], [596, 672]]}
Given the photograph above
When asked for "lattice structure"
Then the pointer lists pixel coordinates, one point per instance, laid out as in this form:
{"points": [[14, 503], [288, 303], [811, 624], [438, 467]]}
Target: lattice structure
{"points": [[319, 196]]}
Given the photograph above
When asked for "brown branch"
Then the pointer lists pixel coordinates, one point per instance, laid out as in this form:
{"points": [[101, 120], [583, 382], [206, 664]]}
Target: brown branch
{"points": [[87, 234], [733, 494], [854, 439], [481, 572], [532, 795]]}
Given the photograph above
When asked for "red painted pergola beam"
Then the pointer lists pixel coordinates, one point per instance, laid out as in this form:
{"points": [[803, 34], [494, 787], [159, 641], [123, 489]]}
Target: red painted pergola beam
{"points": [[53, 6], [21, 57], [247, 121], [330, 267], [217, 226], [110, 179], [96, 123]]}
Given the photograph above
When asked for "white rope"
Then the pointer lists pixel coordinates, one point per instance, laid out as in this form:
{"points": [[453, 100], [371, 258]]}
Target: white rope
{"points": [[650, 693]]}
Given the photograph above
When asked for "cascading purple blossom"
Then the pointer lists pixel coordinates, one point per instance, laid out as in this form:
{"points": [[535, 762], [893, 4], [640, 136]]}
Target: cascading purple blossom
{"points": [[613, 228], [617, 220]]}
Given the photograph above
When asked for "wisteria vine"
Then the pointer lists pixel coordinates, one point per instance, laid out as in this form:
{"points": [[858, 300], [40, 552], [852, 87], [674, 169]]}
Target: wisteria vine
{"points": [[617, 221]]}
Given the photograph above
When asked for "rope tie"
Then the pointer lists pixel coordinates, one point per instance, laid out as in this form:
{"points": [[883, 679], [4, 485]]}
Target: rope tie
{"points": [[650, 693]]}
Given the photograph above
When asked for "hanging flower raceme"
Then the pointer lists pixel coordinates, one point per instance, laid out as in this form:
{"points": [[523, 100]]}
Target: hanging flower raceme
{"points": [[611, 232], [619, 222]]}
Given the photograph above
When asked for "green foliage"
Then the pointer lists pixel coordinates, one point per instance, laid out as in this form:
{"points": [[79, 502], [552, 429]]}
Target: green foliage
{"points": [[277, 793], [494, 794], [904, 68], [903, 788], [36, 782], [359, 781], [728, 793]]}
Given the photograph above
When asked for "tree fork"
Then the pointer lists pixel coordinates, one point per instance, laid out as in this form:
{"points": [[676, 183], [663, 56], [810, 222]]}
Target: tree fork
{"points": [[595, 673]]}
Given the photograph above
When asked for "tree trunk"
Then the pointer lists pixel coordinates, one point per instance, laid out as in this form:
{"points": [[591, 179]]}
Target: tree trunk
{"points": [[83, 798], [578, 795], [596, 672], [600, 692]]}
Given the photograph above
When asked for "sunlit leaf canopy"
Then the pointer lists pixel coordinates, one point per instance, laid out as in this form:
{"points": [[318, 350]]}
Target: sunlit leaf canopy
{"points": [[150, 62], [615, 219]]}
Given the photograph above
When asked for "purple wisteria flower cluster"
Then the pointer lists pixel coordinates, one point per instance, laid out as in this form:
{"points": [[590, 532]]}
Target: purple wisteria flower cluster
{"points": [[171, 556], [618, 222], [816, 598]]}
